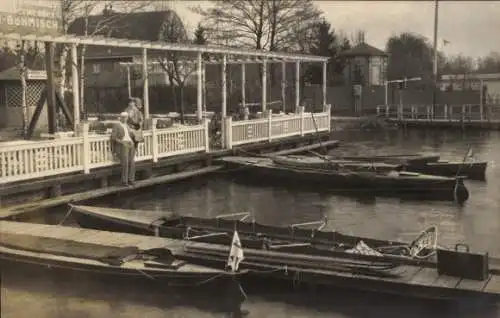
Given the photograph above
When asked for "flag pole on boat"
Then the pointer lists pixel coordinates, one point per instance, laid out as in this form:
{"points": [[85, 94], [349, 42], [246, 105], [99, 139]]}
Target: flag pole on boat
{"points": [[468, 154]]}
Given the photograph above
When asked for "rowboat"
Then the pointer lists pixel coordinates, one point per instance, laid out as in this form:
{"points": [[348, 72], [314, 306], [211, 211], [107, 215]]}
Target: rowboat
{"points": [[390, 183], [362, 265], [296, 238], [395, 159], [104, 254], [471, 170]]}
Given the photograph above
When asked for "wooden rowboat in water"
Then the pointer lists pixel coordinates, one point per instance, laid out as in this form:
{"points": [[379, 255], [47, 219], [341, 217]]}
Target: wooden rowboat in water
{"points": [[386, 183], [471, 170], [394, 159], [296, 238]]}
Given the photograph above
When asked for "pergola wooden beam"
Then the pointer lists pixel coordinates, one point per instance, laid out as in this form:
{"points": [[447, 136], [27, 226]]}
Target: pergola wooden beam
{"points": [[162, 46]]}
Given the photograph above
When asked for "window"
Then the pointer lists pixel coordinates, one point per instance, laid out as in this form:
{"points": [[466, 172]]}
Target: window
{"points": [[96, 68]]}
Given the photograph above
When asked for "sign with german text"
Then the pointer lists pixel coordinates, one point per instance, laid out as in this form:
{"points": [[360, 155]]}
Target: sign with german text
{"points": [[31, 17]]}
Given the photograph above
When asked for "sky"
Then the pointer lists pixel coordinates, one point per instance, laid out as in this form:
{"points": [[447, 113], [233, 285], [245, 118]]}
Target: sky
{"points": [[470, 27]]}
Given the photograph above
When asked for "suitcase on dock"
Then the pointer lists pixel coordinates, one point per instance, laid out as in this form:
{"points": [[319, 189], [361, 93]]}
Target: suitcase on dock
{"points": [[462, 263]]}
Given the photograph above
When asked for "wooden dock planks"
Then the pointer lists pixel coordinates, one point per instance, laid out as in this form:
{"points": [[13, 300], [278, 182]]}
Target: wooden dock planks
{"points": [[493, 285], [425, 277], [89, 236], [446, 281], [474, 285]]}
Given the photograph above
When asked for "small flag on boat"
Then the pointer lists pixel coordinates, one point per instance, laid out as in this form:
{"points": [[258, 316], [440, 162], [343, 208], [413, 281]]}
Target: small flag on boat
{"points": [[235, 253]]}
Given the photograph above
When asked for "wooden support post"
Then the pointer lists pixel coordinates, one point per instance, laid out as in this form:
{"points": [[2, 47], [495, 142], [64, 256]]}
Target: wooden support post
{"points": [[481, 100], [224, 86], [51, 88], [199, 91], [228, 130], [129, 82], [283, 86], [206, 123], [86, 147], [145, 87], [204, 85], [24, 101], [154, 136], [269, 125], [324, 83], [297, 84], [264, 86], [75, 87], [243, 85]]}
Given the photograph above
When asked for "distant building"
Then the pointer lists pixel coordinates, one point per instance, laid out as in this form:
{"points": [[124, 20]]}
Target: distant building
{"points": [[366, 65], [464, 82], [102, 67]]}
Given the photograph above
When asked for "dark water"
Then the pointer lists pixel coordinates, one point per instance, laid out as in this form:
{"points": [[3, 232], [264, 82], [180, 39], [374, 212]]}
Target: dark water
{"points": [[477, 222]]}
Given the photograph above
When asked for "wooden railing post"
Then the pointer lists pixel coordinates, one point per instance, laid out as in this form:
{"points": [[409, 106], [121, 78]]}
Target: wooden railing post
{"points": [[206, 123], [302, 119], [428, 111], [269, 114], [86, 147], [445, 111], [227, 132], [387, 111], [328, 111], [154, 142], [463, 112]]}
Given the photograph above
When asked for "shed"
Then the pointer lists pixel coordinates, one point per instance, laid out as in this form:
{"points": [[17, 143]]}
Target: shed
{"points": [[11, 112]]}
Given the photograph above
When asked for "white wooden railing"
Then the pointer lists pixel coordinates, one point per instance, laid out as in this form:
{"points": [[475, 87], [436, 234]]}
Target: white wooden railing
{"points": [[30, 160], [463, 112], [275, 127]]}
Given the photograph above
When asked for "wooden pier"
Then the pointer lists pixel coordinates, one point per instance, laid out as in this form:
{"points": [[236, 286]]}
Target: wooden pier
{"points": [[410, 280], [443, 116], [60, 189]]}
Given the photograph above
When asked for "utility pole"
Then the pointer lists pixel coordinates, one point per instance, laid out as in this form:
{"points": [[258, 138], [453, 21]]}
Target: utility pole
{"points": [[435, 64]]}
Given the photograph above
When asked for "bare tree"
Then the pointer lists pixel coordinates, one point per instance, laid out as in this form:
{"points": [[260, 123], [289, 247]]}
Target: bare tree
{"points": [[260, 24], [104, 24], [178, 66]]}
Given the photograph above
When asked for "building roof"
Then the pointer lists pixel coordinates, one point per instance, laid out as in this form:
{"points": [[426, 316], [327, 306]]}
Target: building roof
{"points": [[144, 26], [14, 74], [364, 49]]}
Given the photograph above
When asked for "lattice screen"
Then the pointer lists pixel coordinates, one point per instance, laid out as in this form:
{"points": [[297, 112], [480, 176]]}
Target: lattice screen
{"points": [[34, 90]]}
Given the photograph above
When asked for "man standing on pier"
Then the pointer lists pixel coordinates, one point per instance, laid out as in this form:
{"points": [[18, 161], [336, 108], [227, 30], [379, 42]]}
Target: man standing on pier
{"points": [[135, 120], [124, 148]]}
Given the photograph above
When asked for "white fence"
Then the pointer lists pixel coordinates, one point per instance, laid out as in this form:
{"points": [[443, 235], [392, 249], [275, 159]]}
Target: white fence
{"points": [[30, 160], [275, 127], [464, 112], [26, 160]]}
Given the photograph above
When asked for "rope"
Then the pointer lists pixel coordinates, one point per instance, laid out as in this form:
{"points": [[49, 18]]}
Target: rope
{"points": [[66, 216], [202, 282]]}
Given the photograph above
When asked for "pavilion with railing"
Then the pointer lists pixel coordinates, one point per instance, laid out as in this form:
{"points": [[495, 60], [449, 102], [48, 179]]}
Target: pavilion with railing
{"points": [[84, 149]]}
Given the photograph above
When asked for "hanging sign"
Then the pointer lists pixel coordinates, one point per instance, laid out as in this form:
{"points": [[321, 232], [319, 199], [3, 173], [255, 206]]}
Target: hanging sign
{"points": [[40, 17]]}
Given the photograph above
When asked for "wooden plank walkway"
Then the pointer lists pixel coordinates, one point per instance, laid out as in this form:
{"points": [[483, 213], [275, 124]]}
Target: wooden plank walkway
{"points": [[48, 203]]}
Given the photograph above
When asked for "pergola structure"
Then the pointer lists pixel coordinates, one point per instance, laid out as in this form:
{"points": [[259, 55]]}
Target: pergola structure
{"points": [[250, 57]]}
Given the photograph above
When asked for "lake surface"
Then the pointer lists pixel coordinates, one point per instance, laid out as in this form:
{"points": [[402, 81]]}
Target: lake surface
{"points": [[477, 223]]}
